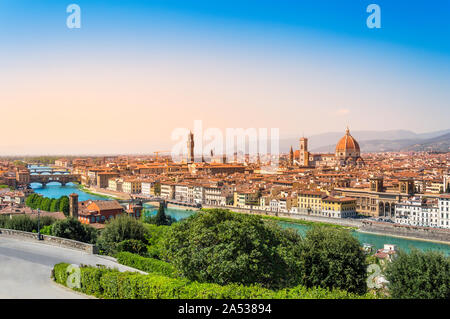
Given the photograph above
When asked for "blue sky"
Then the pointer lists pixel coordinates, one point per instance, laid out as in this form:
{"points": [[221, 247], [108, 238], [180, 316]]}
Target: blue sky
{"points": [[303, 66], [418, 24]]}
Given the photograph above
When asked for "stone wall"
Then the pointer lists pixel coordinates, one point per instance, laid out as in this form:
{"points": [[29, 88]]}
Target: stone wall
{"points": [[51, 240], [427, 233]]}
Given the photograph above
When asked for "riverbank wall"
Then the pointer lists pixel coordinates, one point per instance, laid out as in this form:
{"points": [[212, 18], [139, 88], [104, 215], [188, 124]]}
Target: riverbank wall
{"points": [[50, 240], [413, 232], [107, 193]]}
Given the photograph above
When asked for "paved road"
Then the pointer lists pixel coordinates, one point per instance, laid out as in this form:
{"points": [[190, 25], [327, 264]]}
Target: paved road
{"points": [[25, 268]]}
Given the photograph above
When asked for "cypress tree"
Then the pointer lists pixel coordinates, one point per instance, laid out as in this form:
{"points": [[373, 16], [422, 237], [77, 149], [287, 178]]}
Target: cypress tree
{"points": [[161, 218]]}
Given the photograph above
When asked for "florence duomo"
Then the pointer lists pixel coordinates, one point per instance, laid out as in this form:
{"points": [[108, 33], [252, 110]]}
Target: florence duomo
{"points": [[347, 153]]}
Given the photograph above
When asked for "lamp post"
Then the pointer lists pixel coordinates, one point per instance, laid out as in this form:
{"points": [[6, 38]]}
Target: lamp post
{"points": [[39, 224]]}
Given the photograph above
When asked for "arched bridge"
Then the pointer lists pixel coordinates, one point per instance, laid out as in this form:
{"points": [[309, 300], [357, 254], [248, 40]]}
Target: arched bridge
{"points": [[165, 201], [48, 170], [60, 178]]}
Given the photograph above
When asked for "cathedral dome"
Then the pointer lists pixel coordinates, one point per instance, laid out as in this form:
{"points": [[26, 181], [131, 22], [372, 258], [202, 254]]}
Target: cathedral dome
{"points": [[347, 145]]}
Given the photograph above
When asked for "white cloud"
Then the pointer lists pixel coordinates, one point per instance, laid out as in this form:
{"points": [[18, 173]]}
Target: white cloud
{"points": [[342, 112]]}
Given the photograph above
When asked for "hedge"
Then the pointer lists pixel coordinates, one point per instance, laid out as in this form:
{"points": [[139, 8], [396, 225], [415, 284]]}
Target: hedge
{"points": [[60, 274], [113, 284], [149, 265]]}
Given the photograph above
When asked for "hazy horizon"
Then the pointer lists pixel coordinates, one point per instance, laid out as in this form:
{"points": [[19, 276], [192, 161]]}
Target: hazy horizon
{"points": [[169, 145]]}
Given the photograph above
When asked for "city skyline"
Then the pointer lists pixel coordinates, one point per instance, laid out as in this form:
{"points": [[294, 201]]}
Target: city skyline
{"points": [[133, 73]]}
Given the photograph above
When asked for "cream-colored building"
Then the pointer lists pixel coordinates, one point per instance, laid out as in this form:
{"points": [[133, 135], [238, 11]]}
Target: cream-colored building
{"points": [[131, 186]]}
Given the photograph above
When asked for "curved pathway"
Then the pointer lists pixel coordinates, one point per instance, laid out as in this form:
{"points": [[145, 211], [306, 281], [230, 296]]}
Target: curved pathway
{"points": [[25, 268]]}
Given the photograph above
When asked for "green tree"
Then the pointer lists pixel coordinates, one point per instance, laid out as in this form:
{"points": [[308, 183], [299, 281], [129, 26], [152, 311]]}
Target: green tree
{"points": [[222, 247], [119, 229], [333, 258], [29, 200], [64, 205], [71, 228], [45, 204], [33, 201], [54, 207], [160, 219], [421, 275]]}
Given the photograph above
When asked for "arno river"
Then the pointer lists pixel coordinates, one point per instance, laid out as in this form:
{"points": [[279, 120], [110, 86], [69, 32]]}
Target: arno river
{"points": [[54, 190]]}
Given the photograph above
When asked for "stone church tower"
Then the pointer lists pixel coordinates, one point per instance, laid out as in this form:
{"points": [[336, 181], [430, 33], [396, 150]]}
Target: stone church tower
{"points": [[291, 157], [73, 205], [190, 148], [304, 154]]}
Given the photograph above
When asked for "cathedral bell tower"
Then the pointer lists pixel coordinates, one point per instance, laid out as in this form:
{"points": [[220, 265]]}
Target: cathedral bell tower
{"points": [[304, 154]]}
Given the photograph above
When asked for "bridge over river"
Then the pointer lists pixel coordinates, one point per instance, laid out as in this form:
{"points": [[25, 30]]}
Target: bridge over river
{"points": [[45, 175], [63, 179]]}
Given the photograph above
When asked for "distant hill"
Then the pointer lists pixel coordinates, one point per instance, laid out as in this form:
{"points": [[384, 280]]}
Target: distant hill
{"points": [[370, 141], [439, 143], [436, 144]]}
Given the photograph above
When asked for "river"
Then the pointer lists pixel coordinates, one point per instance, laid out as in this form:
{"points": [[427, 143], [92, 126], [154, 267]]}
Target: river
{"points": [[55, 190], [377, 241]]}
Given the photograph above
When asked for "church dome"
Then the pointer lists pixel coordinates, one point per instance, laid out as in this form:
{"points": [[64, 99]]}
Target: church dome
{"points": [[347, 144]]}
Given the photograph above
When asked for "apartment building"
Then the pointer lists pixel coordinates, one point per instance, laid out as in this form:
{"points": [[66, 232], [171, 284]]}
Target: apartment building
{"points": [[196, 193], [167, 190], [147, 188], [338, 207], [115, 184], [285, 204], [131, 186], [246, 199], [218, 195], [444, 211], [417, 211], [103, 178], [310, 201], [181, 192]]}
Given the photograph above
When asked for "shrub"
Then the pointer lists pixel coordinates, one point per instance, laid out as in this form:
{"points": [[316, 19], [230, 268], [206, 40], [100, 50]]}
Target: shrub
{"points": [[110, 283], [424, 275], [25, 223], [3, 221], [71, 228], [149, 265], [46, 230], [119, 229], [218, 246], [333, 258], [90, 279], [60, 273], [155, 238], [46, 221], [21, 222], [133, 246]]}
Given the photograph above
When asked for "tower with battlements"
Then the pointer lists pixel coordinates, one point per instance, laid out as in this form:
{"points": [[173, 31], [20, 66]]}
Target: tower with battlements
{"points": [[190, 148]]}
